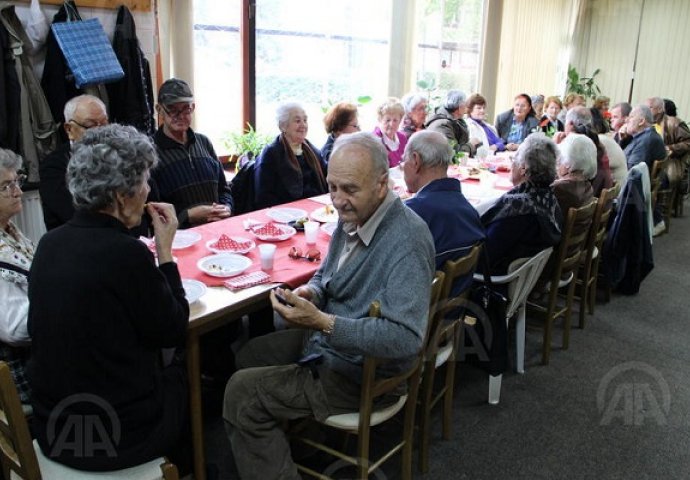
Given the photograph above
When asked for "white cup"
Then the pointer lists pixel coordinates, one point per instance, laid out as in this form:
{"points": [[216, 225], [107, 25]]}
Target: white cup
{"points": [[267, 252], [487, 181], [311, 230]]}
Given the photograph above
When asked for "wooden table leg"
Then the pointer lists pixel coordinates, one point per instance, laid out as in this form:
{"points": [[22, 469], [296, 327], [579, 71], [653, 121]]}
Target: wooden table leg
{"points": [[196, 415]]}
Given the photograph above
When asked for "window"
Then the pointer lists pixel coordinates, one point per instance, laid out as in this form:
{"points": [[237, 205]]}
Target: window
{"points": [[318, 53], [218, 67], [448, 41]]}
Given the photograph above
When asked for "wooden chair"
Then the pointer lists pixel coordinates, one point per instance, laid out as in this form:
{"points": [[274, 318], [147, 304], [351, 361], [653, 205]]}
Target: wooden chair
{"points": [[563, 274], [22, 458], [441, 350], [679, 198], [522, 275], [359, 423], [589, 268], [661, 197]]}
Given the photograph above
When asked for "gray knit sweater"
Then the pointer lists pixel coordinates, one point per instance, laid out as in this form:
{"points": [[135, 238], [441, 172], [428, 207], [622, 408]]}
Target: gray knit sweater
{"points": [[396, 269]]}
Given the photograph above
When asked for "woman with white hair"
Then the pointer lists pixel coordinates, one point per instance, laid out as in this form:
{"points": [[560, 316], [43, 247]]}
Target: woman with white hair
{"points": [[577, 165], [415, 105], [289, 168], [389, 115], [526, 219]]}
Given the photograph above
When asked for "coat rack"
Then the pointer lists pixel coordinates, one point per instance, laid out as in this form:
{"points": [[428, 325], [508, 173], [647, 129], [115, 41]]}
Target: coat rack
{"points": [[140, 5]]}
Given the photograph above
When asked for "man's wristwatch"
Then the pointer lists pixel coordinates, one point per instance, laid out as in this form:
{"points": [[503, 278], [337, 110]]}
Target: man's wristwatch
{"points": [[328, 330]]}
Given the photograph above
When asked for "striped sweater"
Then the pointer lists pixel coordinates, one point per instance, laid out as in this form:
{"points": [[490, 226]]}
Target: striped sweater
{"points": [[188, 175]]}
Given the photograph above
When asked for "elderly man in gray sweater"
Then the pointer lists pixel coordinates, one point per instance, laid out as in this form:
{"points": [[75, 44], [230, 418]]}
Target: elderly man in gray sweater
{"points": [[380, 250]]}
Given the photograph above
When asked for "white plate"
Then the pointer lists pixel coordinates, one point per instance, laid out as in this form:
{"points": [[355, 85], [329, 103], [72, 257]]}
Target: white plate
{"points": [[193, 289], [286, 232], [224, 264], [285, 214], [185, 239], [320, 215], [238, 240], [329, 228]]}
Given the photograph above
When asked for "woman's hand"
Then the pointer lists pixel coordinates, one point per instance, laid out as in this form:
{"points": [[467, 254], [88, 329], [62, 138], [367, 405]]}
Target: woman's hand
{"points": [[164, 223]]}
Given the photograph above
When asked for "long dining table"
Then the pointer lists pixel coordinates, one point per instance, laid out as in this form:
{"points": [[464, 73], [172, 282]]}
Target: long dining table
{"points": [[221, 305]]}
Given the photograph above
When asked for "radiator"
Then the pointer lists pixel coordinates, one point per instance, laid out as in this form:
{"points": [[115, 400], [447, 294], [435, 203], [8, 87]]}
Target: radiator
{"points": [[30, 219]]}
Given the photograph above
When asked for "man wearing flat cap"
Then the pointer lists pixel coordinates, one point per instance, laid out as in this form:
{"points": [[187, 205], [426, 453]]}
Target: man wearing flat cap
{"points": [[189, 174]]}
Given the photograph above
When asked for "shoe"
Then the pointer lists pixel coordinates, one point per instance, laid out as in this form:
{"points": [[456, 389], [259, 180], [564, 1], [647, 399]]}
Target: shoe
{"points": [[659, 228]]}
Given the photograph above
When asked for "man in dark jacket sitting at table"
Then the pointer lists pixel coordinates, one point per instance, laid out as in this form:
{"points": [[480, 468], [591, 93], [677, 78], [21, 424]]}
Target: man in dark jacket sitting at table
{"points": [[454, 223]]}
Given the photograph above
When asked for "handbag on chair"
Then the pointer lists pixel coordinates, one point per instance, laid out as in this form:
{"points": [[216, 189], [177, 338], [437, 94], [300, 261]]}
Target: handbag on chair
{"points": [[485, 324]]}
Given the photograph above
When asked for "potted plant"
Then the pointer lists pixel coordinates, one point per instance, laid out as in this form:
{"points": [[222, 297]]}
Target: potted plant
{"points": [[585, 86], [245, 146]]}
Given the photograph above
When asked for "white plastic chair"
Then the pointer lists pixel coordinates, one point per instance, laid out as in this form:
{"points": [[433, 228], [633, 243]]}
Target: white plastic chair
{"points": [[522, 275]]}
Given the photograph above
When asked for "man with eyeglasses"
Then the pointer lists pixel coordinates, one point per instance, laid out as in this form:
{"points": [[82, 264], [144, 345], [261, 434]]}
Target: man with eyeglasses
{"points": [[81, 113], [189, 174]]}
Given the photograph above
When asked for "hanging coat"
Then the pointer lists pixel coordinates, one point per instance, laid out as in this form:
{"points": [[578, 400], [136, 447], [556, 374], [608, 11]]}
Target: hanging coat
{"points": [[131, 99], [10, 92], [38, 132]]}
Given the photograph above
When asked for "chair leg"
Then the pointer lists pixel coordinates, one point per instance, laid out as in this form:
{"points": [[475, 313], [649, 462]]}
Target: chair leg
{"points": [[495, 389], [408, 429], [520, 340], [567, 313], [448, 397], [592, 295], [363, 453], [546, 347], [584, 299], [425, 415]]}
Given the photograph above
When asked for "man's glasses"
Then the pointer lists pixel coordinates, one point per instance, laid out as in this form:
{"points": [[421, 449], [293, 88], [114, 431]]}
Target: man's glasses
{"points": [[312, 255], [6, 188], [174, 113], [85, 127]]}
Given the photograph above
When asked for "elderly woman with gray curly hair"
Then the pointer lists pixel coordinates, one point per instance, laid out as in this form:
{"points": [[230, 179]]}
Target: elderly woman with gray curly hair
{"points": [[16, 255], [527, 218], [290, 168], [101, 310]]}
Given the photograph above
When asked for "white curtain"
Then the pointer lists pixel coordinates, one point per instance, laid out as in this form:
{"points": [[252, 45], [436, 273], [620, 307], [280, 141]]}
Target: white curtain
{"points": [[534, 52]]}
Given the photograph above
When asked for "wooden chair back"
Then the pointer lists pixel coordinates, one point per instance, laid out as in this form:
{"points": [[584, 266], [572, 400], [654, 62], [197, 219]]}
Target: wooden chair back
{"points": [[564, 273], [575, 232], [593, 246], [16, 448], [373, 388]]}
